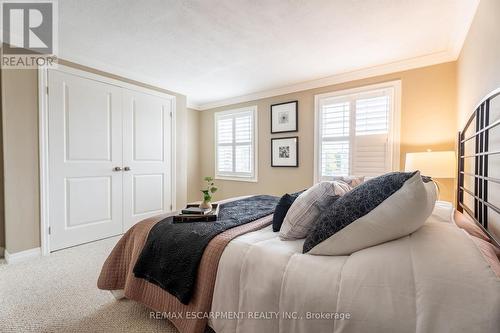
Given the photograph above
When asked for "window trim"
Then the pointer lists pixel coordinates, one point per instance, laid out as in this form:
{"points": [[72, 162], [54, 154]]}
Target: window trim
{"points": [[233, 176], [394, 125]]}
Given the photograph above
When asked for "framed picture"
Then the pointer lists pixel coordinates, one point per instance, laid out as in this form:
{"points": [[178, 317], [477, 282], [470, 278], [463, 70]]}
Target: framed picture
{"points": [[284, 117], [285, 152]]}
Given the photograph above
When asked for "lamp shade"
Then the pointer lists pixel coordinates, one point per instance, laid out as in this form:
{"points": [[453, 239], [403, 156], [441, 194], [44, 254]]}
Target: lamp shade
{"points": [[436, 164]]}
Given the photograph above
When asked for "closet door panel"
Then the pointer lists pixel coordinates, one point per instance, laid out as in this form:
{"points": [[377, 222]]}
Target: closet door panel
{"points": [[85, 144], [149, 128], [146, 156]]}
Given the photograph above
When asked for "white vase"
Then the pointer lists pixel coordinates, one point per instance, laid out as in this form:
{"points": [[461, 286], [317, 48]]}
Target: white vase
{"points": [[206, 205]]}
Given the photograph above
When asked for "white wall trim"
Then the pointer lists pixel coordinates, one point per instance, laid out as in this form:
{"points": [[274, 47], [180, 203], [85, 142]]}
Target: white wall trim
{"points": [[191, 105], [399, 66], [456, 44], [173, 149], [43, 143], [395, 134], [14, 258], [396, 126], [316, 140], [43, 139], [422, 61]]}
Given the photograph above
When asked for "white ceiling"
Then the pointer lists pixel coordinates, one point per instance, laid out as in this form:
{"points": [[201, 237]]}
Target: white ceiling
{"points": [[214, 51]]}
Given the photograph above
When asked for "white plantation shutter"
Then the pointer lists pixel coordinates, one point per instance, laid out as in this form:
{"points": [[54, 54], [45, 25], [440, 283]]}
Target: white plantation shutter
{"points": [[335, 120], [372, 115], [371, 152], [370, 157], [235, 133], [225, 144], [354, 133]]}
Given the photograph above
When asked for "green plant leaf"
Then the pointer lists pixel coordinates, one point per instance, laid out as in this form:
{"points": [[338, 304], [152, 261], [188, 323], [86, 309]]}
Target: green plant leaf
{"points": [[213, 189]]}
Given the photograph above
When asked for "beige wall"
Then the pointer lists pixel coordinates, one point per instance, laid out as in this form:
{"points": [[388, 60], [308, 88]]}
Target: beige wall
{"points": [[478, 67], [193, 158], [428, 121], [21, 171], [20, 151]]}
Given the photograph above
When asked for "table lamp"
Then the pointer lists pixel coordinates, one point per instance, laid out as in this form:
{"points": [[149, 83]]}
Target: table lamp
{"points": [[436, 164]]}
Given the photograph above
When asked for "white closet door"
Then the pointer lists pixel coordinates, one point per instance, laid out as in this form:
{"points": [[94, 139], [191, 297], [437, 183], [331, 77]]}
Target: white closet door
{"points": [[85, 144], [146, 156]]}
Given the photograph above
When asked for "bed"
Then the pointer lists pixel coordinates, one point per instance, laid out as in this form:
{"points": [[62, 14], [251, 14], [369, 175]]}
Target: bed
{"points": [[440, 278], [434, 280]]}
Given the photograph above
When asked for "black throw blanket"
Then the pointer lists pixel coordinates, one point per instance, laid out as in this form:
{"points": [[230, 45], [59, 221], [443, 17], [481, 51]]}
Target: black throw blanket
{"points": [[173, 251]]}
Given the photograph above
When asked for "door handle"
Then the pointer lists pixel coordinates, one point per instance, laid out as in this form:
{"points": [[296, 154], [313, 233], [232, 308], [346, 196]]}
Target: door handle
{"points": [[126, 168], [117, 168]]}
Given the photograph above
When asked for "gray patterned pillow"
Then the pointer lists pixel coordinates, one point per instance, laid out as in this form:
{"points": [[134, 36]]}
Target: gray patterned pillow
{"points": [[306, 209], [382, 209]]}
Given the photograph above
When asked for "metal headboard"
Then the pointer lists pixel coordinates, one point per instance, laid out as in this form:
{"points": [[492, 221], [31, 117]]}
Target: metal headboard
{"points": [[475, 156]]}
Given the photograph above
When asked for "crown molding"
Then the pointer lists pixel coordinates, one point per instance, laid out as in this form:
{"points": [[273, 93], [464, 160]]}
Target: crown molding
{"points": [[399, 66], [457, 44], [191, 105], [118, 71], [451, 54], [125, 74], [448, 55]]}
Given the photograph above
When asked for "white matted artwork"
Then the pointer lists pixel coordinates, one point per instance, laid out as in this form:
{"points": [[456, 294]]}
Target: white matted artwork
{"points": [[284, 117], [285, 152]]}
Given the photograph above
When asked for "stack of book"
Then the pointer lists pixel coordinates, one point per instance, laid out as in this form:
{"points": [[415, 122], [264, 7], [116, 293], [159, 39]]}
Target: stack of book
{"points": [[193, 213]]}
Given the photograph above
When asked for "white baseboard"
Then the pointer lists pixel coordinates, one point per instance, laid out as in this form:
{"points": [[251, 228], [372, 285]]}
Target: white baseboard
{"points": [[12, 258]]}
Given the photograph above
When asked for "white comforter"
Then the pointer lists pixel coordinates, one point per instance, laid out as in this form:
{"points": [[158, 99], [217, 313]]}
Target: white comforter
{"points": [[434, 280]]}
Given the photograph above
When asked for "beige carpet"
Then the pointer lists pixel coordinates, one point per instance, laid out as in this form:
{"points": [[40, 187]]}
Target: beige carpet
{"points": [[58, 293]]}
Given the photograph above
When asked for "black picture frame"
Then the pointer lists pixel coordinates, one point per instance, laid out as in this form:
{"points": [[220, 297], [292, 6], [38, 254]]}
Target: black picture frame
{"points": [[272, 109], [296, 164]]}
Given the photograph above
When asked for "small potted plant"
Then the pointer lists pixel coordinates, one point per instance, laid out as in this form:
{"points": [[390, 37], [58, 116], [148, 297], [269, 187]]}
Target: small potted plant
{"points": [[208, 192]]}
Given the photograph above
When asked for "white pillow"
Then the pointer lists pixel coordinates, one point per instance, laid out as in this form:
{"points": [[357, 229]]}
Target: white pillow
{"points": [[306, 208], [382, 209]]}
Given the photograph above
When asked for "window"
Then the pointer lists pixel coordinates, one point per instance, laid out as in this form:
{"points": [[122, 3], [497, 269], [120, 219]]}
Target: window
{"points": [[235, 144], [357, 131]]}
